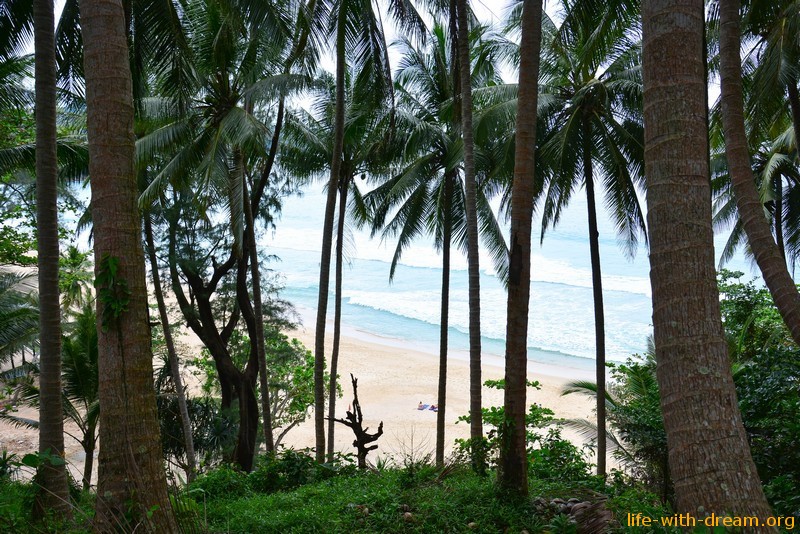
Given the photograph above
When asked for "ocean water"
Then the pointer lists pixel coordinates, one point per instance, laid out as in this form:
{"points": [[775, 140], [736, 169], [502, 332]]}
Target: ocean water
{"points": [[406, 310]]}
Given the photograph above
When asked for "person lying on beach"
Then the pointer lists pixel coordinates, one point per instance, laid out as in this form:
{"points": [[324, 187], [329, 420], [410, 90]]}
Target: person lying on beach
{"points": [[434, 408], [422, 406]]}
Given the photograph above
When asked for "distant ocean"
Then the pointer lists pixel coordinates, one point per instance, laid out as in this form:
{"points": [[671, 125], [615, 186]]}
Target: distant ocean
{"points": [[406, 311]]}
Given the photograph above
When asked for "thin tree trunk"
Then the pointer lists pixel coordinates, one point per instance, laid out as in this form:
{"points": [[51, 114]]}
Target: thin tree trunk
{"points": [[513, 475], [751, 211], [88, 465], [255, 273], [174, 364], [444, 319], [779, 215], [327, 238], [597, 291], [132, 486], [337, 313], [471, 195], [709, 456], [53, 491]]}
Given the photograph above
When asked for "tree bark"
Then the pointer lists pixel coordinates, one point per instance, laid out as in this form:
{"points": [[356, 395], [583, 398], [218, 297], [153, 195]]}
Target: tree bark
{"points": [[172, 354], [470, 199], [709, 456], [779, 216], [131, 474], [751, 211], [89, 444], [337, 312], [53, 491], [444, 320], [255, 274], [513, 475], [597, 292], [327, 238]]}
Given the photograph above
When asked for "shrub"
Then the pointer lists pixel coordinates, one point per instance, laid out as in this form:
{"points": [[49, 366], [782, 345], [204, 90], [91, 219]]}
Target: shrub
{"points": [[222, 482]]}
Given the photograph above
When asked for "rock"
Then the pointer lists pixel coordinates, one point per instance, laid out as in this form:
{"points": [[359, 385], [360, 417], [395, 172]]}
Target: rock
{"points": [[472, 526], [558, 501], [408, 517], [405, 508], [573, 501], [577, 508]]}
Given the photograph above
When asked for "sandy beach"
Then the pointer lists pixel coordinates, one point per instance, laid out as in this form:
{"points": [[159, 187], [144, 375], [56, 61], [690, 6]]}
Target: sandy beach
{"points": [[393, 378]]}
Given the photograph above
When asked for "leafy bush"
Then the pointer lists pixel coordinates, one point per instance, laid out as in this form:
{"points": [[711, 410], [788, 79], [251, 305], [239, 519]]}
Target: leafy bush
{"points": [[222, 482], [550, 456], [290, 468]]}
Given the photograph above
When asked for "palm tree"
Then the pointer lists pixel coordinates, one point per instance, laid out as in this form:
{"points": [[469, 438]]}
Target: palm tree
{"points": [[54, 493], [307, 154], [222, 161], [19, 314], [131, 475], [513, 473], [427, 193], [473, 267], [759, 234], [80, 404], [591, 100], [709, 456], [359, 34]]}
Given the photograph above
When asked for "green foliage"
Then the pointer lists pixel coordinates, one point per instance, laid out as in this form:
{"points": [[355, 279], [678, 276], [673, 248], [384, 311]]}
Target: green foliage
{"points": [[767, 389], [550, 456], [112, 291], [223, 482], [376, 502], [752, 322], [290, 469]]}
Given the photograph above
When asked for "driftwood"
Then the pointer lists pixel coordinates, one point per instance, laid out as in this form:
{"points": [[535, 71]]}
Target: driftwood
{"points": [[354, 420]]}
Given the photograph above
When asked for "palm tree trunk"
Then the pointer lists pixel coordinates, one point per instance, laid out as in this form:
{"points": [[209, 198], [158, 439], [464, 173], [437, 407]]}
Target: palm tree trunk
{"points": [[471, 195], [337, 312], [255, 274], [444, 321], [131, 479], [89, 444], [175, 367], [709, 456], [327, 238], [597, 291], [759, 234], [779, 215], [54, 491], [794, 107], [513, 475]]}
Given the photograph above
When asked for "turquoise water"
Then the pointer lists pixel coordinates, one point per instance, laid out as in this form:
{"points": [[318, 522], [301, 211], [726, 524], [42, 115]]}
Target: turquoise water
{"points": [[561, 325]]}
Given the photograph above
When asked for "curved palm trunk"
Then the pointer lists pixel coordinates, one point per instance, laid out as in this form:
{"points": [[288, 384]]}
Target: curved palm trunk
{"points": [[174, 364], [471, 195], [597, 292], [337, 313], [255, 274], [131, 479], [54, 492], [327, 238], [759, 234], [513, 475], [444, 320], [709, 456], [779, 216]]}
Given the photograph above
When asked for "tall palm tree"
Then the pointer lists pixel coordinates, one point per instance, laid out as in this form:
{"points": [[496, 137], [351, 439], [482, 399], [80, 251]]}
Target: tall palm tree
{"points": [[759, 234], [591, 100], [473, 262], [427, 193], [709, 456], [513, 473], [307, 154], [131, 475], [54, 493], [224, 157]]}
